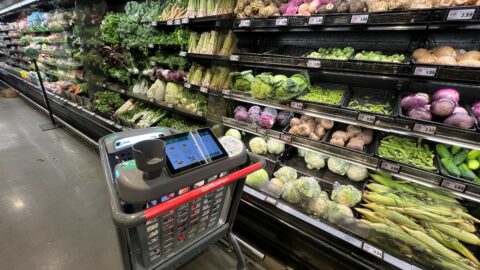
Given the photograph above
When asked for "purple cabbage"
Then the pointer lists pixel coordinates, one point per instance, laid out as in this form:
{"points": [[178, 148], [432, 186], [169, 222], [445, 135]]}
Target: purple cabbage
{"points": [[239, 108], [267, 121], [240, 113], [255, 110], [284, 117], [283, 8], [414, 100], [443, 107], [270, 111], [459, 120], [419, 113], [448, 93], [253, 119]]}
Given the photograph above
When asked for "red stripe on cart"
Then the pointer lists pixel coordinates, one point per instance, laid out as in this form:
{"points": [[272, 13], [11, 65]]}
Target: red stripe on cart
{"points": [[169, 205]]}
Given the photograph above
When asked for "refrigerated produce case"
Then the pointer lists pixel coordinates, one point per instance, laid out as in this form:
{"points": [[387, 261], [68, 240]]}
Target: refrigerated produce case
{"points": [[147, 78]]}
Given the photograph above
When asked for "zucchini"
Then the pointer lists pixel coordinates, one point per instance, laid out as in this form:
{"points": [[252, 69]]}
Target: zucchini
{"points": [[455, 149], [460, 157], [443, 152], [466, 172], [450, 167]]}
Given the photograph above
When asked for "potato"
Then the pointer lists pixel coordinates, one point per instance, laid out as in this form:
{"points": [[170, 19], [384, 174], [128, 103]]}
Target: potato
{"points": [[319, 131], [305, 118], [293, 130], [304, 130], [314, 137], [295, 122], [354, 129], [366, 135], [337, 141], [419, 53], [349, 135], [327, 124], [357, 140], [355, 145], [340, 135]]}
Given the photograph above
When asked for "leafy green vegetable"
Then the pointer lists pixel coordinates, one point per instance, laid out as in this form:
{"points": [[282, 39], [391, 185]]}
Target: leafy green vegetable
{"points": [[241, 81], [262, 85], [380, 57], [107, 101], [332, 53], [319, 94]]}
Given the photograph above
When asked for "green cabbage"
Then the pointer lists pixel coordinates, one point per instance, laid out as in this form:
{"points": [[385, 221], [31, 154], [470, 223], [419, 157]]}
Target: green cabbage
{"points": [[319, 206], [314, 160], [357, 173], [258, 146], [262, 85], [286, 174], [290, 193], [257, 179], [234, 133], [338, 166], [338, 212], [274, 187], [308, 187], [241, 81], [346, 195], [275, 147]]}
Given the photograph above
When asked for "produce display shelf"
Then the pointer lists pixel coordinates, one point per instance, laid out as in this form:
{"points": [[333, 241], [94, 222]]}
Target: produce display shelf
{"points": [[209, 57], [187, 85], [441, 134], [8, 30], [151, 101], [46, 31], [420, 19], [62, 66], [57, 53], [63, 77], [347, 237], [18, 65], [17, 51], [215, 20]]}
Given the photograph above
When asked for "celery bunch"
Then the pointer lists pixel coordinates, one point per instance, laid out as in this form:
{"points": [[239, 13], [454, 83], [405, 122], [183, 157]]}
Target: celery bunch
{"points": [[212, 43], [202, 8]]}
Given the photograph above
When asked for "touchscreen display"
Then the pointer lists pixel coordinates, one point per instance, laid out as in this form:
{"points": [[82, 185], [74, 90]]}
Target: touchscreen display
{"points": [[188, 150]]}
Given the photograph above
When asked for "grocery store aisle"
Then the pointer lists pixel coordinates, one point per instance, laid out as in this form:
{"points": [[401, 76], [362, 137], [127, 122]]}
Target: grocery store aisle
{"points": [[53, 200]]}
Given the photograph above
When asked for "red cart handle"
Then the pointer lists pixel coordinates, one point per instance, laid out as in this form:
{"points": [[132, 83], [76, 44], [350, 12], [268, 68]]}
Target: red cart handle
{"points": [[169, 205]]}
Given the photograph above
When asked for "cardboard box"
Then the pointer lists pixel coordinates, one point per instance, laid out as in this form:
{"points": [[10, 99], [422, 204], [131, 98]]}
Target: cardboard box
{"points": [[9, 93]]}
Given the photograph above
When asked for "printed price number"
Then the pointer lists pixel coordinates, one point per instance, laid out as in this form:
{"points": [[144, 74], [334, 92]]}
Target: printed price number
{"points": [[234, 57], [187, 85], [285, 137], [204, 90], [296, 105], [183, 53], [244, 23], [271, 201], [372, 250], [314, 64], [170, 22], [281, 22], [390, 167], [154, 23], [185, 20], [177, 22], [455, 186], [261, 131], [315, 20], [460, 14], [424, 128], [227, 92], [359, 18], [425, 71], [366, 118]]}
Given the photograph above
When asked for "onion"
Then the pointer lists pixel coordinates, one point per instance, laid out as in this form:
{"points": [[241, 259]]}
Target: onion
{"points": [[459, 120], [449, 93], [476, 111], [442, 107], [419, 113], [460, 110], [476, 104], [414, 100]]}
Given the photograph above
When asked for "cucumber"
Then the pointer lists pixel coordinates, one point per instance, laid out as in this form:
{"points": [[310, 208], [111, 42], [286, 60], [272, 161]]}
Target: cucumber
{"points": [[455, 149], [443, 152], [460, 157], [450, 167], [473, 154], [466, 172]]}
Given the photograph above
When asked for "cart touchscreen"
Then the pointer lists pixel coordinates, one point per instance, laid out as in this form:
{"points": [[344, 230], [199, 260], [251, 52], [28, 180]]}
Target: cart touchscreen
{"points": [[189, 150]]}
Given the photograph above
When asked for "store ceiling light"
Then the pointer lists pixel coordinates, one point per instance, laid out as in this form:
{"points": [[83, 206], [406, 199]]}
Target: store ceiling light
{"points": [[17, 5]]}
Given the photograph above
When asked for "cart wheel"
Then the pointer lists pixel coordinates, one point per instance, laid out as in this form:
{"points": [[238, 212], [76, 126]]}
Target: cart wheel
{"points": [[241, 265]]}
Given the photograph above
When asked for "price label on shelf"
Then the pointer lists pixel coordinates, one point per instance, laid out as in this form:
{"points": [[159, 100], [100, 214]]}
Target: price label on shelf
{"points": [[227, 92], [200, 114], [313, 64], [366, 118], [185, 20], [359, 18], [244, 23], [151, 99], [187, 85], [296, 105], [285, 137], [154, 23], [316, 20], [390, 167], [170, 105], [271, 201], [183, 53], [204, 90], [122, 91], [151, 46], [425, 71], [177, 22], [461, 14], [170, 22], [104, 85], [234, 57], [455, 186], [372, 250], [153, 63], [281, 22], [261, 131], [424, 128]]}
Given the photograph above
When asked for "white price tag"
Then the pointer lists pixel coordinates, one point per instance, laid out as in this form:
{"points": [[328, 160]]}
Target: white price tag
{"points": [[227, 92], [183, 53], [187, 85], [234, 57], [296, 105], [390, 167], [261, 131], [153, 63], [104, 85], [170, 22], [359, 18], [122, 91], [151, 46], [200, 114], [313, 64], [424, 128], [285, 137], [281, 22], [244, 23], [366, 118], [425, 71], [271, 201], [204, 90], [151, 99], [185, 20], [154, 23], [453, 185], [170, 105], [460, 14], [372, 250], [177, 22], [316, 20]]}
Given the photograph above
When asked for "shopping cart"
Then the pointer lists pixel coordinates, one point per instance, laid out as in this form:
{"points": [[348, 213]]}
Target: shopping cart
{"points": [[164, 230]]}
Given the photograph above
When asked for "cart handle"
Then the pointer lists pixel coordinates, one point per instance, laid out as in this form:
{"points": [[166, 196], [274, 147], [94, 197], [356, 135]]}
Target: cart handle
{"points": [[169, 205]]}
